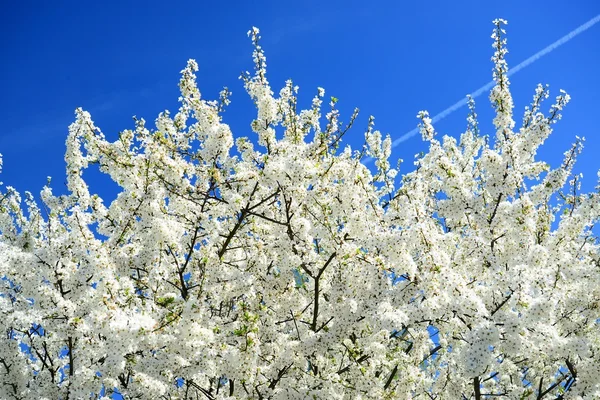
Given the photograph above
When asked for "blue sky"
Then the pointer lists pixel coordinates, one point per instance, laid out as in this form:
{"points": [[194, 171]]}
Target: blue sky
{"points": [[391, 59]]}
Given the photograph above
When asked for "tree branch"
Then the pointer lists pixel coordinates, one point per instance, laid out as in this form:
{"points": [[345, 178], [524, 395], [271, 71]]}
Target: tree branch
{"points": [[316, 301]]}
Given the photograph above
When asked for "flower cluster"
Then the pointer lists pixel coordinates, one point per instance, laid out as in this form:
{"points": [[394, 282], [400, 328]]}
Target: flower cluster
{"points": [[291, 271]]}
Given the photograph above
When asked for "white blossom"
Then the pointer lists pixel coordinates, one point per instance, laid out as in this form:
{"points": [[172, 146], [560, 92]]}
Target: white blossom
{"points": [[289, 271]]}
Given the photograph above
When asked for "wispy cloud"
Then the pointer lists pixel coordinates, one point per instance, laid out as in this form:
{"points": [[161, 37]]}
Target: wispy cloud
{"points": [[34, 136], [513, 70], [40, 130]]}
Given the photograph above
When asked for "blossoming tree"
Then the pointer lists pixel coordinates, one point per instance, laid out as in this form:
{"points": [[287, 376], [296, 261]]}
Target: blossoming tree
{"points": [[292, 272]]}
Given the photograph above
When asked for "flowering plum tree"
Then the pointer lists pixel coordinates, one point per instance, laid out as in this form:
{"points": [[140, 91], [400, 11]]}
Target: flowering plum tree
{"points": [[293, 272]]}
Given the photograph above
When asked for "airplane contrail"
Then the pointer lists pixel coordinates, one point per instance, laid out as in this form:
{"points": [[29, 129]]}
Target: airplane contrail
{"points": [[512, 71]]}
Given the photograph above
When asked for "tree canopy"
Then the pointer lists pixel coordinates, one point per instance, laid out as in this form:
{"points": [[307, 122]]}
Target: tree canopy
{"points": [[286, 269]]}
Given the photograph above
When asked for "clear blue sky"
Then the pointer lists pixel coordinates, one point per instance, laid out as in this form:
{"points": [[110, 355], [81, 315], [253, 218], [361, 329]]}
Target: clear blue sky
{"points": [[391, 59]]}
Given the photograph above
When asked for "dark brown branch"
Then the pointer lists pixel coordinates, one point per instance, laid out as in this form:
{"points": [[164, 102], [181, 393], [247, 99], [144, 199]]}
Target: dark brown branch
{"points": [[362, 358], [238, 224], [432, 352], [231, 387], [316, 301], [296, 325], [491, 218], [280, 375], [477, 388], [169, 321], [232, 233], [499, 306], [540, 394], [267, 218], [244, 212], [572, 369], [324, 324], [71, 365], [552, 387], [191, 249], [391, 378]]}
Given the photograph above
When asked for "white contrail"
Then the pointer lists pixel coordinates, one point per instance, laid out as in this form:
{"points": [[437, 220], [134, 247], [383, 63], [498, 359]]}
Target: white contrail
{"points": [[514, 70]]}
